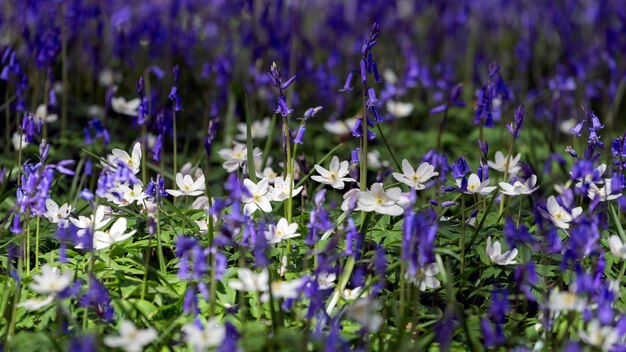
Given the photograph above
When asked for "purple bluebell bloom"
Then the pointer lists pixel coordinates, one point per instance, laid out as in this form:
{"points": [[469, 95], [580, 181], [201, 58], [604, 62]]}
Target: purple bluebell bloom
{"points": [[460, 168]]}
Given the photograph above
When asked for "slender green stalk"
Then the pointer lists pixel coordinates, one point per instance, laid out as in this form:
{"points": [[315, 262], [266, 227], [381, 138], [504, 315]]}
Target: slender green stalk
{"points": [[160, 256], [37, 244], [442, 126], [393, 157], [249, 146], [462, 239], [92, 259], [144, 284], [174, 143], [16, 301], [268, 143]]}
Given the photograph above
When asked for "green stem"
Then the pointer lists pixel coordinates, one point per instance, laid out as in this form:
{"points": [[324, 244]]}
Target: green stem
{"points": [[462, 240], [393, 157], [92, 259], [268, 143], [27, 240], [144, 284], [442, 127], [249, 146], [16, 301], [37, 244], [160, 256], [174, 143]]}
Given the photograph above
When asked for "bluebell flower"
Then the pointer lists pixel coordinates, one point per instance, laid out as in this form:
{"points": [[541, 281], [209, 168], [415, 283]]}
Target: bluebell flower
{"points": [[82, 343], [347, 86], [515, 236], [98, 297], [499, 306], [460, 168], [515, 126]]}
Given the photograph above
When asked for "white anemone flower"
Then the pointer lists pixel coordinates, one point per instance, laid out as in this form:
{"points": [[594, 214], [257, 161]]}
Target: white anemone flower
{"points": [[375, 161], [268, 173], [124, 107], [617, 247], [130, 338], [133, 162], [425, 277], [559, 216], [565, 301], [415, 178], [41, 113], [500, 163], [399, 109], [189, 169], [519, 188], [326, 280], [281, 231], [604, 192], [365, 312], [340, 127], [56, 214], [37, 302], [260, 195], [280, 191], [475, 186], [258, 129], [125, 195], [336, 174], [597, 173], [238, 156], [350, 294], [116, 233], [377, 199], [250, 281], [596, 335], [187, 186], [98, 221], [51, 280], [19, 141], [211, 335], [285, 289], [497, 257]]}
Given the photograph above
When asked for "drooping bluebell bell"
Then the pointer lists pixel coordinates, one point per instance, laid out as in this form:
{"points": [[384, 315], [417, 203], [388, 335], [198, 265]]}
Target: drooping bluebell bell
{"points": [[418, 240], [444, 329], [174, 95], [453, 99], [156, 188], [499, 307], [515, 236], [352, 236], [277, 81], [515, 126], [229, 343], [48, 48], [355, 155], [98, 298], [493, 336], [319, 219], [82, 343], [460, 168], [439, 160], [380, 268]]}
